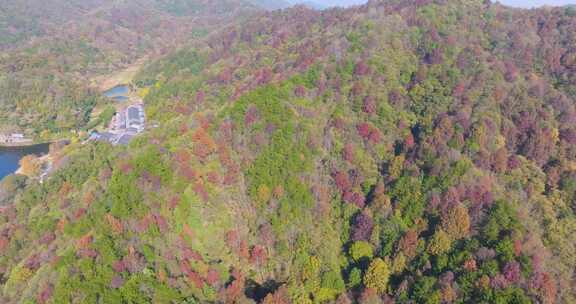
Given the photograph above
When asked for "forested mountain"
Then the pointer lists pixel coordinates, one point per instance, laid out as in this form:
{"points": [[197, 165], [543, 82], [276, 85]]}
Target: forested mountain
{"points": [[50, 50], [404, 151]]}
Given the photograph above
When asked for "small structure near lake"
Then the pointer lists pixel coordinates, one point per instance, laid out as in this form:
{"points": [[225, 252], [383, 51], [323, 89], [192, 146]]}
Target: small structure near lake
{"points": [[135, 117], [14, 139]]}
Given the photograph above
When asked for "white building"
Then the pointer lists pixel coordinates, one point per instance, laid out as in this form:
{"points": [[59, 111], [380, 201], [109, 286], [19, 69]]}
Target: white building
{"points": [[135, 117]]}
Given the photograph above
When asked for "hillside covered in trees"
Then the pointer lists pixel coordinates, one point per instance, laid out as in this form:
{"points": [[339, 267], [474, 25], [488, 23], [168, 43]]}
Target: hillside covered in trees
{"points": [[50, 51], [404, 151]]}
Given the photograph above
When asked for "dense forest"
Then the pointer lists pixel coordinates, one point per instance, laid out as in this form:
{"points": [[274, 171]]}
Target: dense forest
{"points": [[403, 151]]}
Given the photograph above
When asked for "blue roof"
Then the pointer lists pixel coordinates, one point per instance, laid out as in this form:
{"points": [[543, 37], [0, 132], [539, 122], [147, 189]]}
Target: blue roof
{"points": [[133, 113]]}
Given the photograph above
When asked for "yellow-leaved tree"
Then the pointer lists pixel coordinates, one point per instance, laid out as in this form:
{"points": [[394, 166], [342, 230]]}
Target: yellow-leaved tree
{"points": [[29, 165], [377, 276]]}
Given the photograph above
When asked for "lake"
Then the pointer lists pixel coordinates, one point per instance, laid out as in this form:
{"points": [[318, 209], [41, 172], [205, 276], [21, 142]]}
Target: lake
{"points": [[120, 98], [118, 93], [10, 157]]}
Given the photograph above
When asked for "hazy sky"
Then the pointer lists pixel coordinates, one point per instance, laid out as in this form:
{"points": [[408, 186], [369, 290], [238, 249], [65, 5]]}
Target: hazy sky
{"points": [[339, 2], [519, 3], [533, 3]]}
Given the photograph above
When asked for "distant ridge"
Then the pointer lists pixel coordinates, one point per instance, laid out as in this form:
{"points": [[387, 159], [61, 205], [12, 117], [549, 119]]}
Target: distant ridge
{"points": [[270, 4], [315, 5]]}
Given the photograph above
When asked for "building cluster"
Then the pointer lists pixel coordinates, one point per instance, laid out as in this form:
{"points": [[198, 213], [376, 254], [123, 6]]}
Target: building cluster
{"points": [[14, 138], [124, 126]]}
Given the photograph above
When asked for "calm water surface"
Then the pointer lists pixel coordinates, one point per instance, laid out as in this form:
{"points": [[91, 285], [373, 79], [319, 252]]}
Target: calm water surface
{"points": [[10, 157], [121, 90], [120, 98]]}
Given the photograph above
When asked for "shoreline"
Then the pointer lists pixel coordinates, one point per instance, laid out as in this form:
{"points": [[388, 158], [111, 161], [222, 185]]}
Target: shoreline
{"points": [[24, 145], [31, 144], [41, 154], [45, 159]]}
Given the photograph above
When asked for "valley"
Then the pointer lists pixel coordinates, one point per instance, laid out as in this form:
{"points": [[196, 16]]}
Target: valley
{"points": [[59, 63]]}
